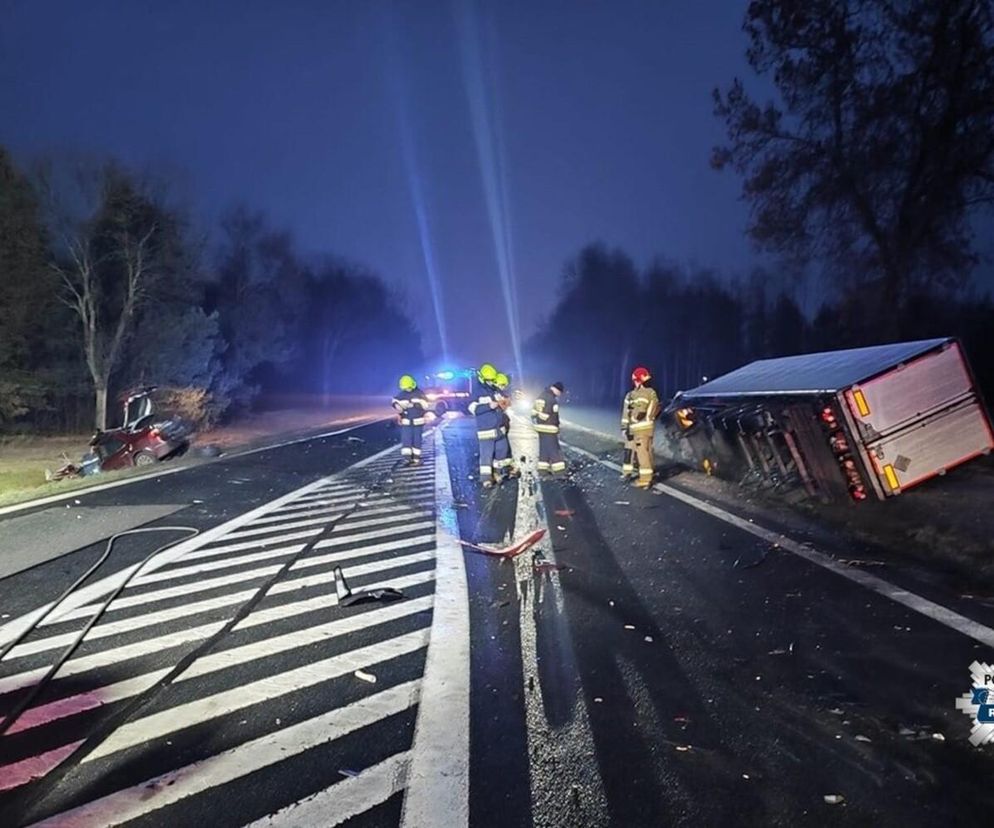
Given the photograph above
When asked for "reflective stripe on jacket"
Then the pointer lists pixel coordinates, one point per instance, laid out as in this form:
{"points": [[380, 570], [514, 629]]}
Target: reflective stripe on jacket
{"points": [[411, 405], [640, 409]]}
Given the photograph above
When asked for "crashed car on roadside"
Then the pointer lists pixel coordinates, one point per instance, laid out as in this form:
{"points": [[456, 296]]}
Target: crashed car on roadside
{"points": [[144, 439]]}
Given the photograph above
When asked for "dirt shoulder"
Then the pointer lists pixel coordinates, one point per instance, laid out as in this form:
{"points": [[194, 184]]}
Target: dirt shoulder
{"points": [[24, 458]]}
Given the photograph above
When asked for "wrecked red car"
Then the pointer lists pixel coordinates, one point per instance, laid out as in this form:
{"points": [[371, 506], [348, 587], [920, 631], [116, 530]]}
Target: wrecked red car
{"points": [[144, 439]]}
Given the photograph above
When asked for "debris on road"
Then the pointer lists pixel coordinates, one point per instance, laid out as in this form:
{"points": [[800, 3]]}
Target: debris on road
{"points": [[598, 699], [684, 748], [347, 597], [348, 772], [629, 627], [564, 512], [354, 439], [509, 551], [834, 799], [861, 738], [750, 564], [648, 639], [364, 676], [622, 503], [781, 651]]}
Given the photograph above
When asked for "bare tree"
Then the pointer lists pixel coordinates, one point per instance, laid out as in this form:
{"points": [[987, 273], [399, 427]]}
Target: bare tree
{"points": [[110, 256]]}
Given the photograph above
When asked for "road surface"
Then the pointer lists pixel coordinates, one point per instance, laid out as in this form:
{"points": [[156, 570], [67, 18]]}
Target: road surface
{"points": [[651, 660]]}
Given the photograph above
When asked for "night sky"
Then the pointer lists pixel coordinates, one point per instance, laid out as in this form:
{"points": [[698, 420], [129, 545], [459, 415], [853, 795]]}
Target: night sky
{"points": [[520, 130]]}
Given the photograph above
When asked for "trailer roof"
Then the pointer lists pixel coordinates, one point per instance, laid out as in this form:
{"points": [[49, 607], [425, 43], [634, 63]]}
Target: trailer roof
{"points": [[826, 372]]}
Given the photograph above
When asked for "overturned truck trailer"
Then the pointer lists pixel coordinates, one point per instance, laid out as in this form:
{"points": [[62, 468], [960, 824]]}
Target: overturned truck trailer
{"points": [[859, 423]]}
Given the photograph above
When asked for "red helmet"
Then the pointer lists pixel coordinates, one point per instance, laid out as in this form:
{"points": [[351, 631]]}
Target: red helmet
{"points": [[641, 375]]}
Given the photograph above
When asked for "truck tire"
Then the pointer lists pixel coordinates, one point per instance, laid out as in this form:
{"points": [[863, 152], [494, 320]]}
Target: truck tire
{"points": [[144, 458]]}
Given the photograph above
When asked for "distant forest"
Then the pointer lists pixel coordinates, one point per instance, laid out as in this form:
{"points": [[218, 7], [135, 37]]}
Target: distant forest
{"points": [[105, 285], [866, 175]]}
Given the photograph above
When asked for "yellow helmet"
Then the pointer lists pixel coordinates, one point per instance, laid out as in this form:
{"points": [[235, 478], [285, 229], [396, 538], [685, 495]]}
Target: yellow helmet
{"points": [[487, 372], [407, 383], [502, 381]]}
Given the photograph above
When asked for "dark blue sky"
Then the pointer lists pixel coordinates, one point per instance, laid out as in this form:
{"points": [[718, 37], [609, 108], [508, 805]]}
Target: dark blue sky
{"points": [[598, 114]]}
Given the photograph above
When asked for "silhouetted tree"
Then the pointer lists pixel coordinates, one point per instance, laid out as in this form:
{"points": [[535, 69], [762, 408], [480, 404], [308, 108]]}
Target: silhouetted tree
{"points": [[882, 141]]}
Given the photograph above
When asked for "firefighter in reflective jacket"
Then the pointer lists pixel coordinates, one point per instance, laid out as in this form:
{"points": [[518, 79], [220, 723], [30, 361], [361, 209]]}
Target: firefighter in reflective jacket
{"points": [[503, 454], [411, 404], [638, 422], [484, 405], [545, 416]]}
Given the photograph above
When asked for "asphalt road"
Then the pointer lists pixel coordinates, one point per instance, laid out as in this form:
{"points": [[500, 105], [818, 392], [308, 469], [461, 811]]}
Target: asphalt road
{"points": [[650, 661]]}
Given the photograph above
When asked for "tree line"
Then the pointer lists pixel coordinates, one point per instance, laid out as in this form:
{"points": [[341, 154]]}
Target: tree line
{"points": [[106, 284], [865, 174]]}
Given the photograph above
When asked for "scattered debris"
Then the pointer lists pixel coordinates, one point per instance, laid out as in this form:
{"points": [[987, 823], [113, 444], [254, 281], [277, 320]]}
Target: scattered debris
{"points": [[196, 502], [750, 564], [364, 676], [684, 748], [857, 562], [354, 439], [460, 504], [598, 699], [835, 711], [834, 799], [509, 551], [347, 597], [77, 501], [788, 651], [279, 721], [564, 513], [544, 566], [682, 719], [648, 639], [348, 772], [622, 503], [745, 775], [629, 627], [610, 603], [938, 737], [861, 738]]}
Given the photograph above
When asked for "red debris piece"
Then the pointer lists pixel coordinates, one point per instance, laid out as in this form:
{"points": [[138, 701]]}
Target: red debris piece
{"points": [[510, 551], [565, 512]]}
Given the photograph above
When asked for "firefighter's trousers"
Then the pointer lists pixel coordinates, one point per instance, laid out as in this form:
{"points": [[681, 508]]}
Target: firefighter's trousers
{"points": [[488, 450], [550, 455], [644, 455], [410, 440], [628, 459], [503, 456]]}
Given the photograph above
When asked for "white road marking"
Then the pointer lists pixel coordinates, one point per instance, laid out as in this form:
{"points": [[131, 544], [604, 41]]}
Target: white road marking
{"points": [[350, 524], [149, 796], [34, 767], [363, 551], [930, 609], [225, 549], [351, 572], [212, 566], [124, 625], [345, 799], [342, 540], [205, 708], [438, 778], [568, 746], [82, 664], [255, 529], [219, 660]]}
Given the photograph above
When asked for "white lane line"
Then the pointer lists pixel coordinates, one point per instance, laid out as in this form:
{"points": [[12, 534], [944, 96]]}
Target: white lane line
{"points": [[341, 558], [211, 566], [930, 609], [254, 529], [343, 800], [311, 511], [161, 791], [113, 655], [245, 653], [183, 590], [216, 661], [327, 543], [103, 586], [206, 708], [262, 543], [350, 524], [564, 746], [356, 571], [130, 624], [438, 779], [34, 767]]}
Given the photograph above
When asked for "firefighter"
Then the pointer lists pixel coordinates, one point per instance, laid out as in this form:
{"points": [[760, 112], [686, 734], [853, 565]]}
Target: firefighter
{"points": [[411, 405], [545, 416], [484, 405], [638, 420], [503, 454]]}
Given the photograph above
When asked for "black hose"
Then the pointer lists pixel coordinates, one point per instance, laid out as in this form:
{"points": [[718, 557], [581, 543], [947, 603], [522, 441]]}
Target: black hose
{"points": [[38, 688]]}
